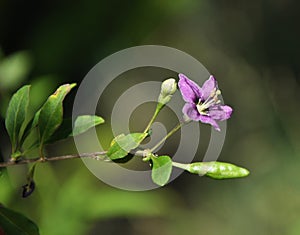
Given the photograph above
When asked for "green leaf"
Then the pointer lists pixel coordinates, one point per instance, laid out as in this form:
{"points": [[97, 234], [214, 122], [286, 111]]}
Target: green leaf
{"points": [[85, 122], [15, 223], [161, 169], [63, 132], [16, 115], [35, 119], [51, 114], [218, 170], [122, 144], [121, 136], [30, 126], [82, 124]]}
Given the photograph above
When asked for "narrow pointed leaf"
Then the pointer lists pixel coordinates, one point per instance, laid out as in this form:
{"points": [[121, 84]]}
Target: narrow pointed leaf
{"points": [[85, 122], [12, 222], [161, 169], [123, 144], [30, 126], [51, 114], [16, 115]]}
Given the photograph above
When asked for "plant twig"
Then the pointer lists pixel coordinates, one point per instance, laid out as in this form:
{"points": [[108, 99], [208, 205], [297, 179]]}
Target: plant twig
{"points": [[95, 155], [176, 128], [157, 110]]}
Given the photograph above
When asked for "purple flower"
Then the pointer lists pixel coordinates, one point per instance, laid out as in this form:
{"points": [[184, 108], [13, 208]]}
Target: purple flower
{"points": [[203, 103]]}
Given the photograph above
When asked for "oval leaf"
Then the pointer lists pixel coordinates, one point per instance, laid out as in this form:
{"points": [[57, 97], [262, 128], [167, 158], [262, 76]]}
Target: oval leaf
{"points": [[161, 169], [85, 122], [15, 223], [123, 144], [51, 114], [16, 115]]}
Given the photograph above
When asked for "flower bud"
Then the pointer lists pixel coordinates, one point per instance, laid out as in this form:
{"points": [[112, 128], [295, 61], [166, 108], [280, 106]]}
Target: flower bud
{"points": [[168, 88], [217, 170]]}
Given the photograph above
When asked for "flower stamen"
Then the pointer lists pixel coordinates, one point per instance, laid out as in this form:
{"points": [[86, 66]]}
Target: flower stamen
{"points": [[213, 99]]}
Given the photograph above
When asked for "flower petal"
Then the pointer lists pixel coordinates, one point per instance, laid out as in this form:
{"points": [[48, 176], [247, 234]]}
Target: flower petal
{"points": [[190, 91], [220, 112], [210, 120], [191, 111], [209, 85]]}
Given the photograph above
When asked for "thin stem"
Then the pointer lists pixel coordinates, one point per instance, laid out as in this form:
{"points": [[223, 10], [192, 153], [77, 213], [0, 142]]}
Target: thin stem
{"points": [[157, 110], [180, 165], [41, 152], [176, 128], [56, 158]]}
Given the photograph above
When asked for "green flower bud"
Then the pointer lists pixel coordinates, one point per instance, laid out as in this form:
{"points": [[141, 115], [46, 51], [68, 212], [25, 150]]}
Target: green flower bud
{"points": [[168, 88], [217, 170]]}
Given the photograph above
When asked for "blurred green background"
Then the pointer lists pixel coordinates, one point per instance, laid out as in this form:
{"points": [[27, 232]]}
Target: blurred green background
{"points": [[252, 47]]}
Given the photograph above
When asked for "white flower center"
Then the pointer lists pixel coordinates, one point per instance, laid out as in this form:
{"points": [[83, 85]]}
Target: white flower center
{"points": [[210, 101]]}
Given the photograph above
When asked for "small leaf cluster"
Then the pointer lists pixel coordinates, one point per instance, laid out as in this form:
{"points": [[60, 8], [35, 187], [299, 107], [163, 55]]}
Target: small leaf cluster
{"points": [[46, 126], [47, 122]]}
